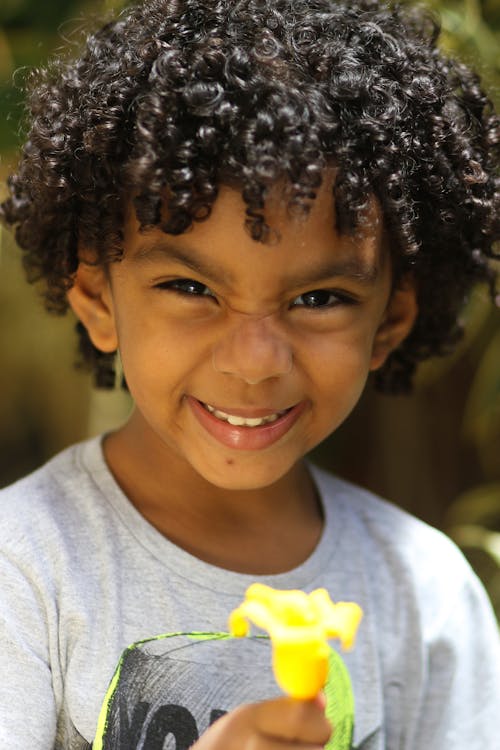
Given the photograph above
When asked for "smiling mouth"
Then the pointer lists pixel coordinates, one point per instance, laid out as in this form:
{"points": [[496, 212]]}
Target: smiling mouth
{"points": [[238, 421]]}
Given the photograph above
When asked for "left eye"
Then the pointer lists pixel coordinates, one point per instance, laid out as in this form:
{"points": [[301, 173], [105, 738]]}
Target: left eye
{"points": [[318, 298]]}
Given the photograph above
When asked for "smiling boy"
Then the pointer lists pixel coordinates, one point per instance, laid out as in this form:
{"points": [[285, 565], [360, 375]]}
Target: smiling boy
{"points": [[256, 204], [214, 329]]}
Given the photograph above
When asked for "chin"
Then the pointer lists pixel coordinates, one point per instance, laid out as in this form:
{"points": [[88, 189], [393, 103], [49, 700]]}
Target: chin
{"points": [[235, 476]]}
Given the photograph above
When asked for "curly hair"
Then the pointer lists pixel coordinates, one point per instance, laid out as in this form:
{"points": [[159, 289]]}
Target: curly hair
{"points": [[191, 94]]}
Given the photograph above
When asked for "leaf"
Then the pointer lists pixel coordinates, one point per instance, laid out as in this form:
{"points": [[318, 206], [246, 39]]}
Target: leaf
{"points": [[479, 506]]}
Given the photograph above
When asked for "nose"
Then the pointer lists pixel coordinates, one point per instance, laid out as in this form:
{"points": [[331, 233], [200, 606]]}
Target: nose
{"points": [[253, 350]]}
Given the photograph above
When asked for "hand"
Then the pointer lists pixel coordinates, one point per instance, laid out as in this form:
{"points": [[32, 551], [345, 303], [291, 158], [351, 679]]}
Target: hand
{"points": [[279, 724]]}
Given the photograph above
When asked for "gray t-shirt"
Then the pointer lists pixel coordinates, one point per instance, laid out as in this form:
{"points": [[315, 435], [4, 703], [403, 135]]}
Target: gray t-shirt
{"points": [[83, 575]]}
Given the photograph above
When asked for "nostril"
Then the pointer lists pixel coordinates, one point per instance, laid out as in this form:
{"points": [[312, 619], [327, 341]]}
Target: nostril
{"points": [[254, 349]]}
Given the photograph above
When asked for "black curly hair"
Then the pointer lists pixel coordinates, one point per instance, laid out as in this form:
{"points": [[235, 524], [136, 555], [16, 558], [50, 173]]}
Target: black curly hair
{"points": [[191, 94]]}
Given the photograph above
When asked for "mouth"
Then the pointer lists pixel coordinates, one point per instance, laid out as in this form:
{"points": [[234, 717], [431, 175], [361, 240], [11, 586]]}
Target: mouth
{"points": [[245, 429], [237, 420]]}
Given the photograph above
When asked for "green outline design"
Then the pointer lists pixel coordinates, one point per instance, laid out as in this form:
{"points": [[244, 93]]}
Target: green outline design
{"points": [[338, 691]]}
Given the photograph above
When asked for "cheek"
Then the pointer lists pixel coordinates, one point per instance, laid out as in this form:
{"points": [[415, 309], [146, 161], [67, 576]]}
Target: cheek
{"points": [[159, 358], [338, 371], [341, 356], [143, 355]]}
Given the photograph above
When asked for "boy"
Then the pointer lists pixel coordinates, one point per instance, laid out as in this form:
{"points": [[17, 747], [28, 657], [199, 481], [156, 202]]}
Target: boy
{"points": [[256, 204]]}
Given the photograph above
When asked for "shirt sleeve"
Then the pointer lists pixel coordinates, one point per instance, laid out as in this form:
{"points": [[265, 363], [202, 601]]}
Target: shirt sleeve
{"points": [[460, 704], [27, 702]]}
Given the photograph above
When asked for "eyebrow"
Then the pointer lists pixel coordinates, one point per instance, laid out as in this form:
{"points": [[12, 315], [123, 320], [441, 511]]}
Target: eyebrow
{"points": [[354, 268], [160, 249]]}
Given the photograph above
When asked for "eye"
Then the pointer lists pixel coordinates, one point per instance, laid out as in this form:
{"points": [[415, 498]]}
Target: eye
{"points": [[321, 298], [187, 287]]}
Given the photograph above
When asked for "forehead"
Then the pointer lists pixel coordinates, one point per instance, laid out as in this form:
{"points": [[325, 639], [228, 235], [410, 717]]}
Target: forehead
{"points": [[296, 240]]}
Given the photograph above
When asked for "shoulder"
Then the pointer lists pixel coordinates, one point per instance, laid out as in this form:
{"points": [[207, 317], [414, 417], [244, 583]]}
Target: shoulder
{"points": [[61, 474], [422, 602], [411, 579], [366, 509], [39, 509], [379, 519], [394, 550]]}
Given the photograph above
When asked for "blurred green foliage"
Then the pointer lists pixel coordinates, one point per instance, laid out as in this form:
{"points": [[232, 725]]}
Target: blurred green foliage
{"points": [[471, 31], [468, 382], [29, 32]]}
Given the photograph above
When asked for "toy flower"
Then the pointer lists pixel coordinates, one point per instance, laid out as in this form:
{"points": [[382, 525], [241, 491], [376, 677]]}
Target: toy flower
{"points": [[299, 626]]}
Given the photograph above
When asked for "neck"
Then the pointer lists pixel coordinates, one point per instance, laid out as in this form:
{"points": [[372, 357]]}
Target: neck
{"points": [[262, 531]]}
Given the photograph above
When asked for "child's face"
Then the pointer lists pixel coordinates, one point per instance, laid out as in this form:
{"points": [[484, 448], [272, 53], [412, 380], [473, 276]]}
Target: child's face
{"points": [[212, 320]]}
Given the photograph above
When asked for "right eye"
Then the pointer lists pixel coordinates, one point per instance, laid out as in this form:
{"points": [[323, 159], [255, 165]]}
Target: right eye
{"points": [[186, 287]]}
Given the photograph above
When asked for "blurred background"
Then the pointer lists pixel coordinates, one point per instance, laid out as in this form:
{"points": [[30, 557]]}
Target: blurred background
{"points": [[435, 453]]}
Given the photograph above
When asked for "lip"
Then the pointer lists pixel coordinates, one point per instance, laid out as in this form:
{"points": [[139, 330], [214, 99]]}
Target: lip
{"points": [[241, 437]]}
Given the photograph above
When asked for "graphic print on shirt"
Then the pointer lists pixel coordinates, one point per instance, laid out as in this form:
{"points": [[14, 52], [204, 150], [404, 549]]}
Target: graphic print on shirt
{"points": [[166, 691]]}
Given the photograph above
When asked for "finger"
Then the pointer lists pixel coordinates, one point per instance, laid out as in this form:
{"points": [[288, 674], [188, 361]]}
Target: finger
{"points": [[320, 700], [294, 720], [275, 743]]}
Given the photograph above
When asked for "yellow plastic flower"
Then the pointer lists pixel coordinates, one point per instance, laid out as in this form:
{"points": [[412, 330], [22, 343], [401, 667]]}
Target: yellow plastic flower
{"points": [[299, 626]]}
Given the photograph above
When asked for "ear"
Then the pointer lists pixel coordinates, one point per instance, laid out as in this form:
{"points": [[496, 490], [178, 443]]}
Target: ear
{"points": [[91, 300], [398, 320]]}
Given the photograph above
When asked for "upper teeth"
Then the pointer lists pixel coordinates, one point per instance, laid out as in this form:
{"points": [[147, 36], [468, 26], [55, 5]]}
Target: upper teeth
{"points": [[242, 421]]}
